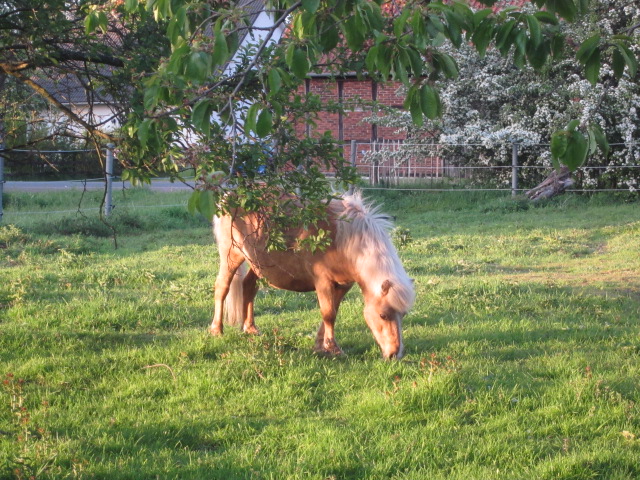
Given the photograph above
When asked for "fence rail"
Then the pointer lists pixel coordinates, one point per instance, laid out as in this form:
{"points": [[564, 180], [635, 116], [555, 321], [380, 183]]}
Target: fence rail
{"points": [[508, 167], [513, 167]]}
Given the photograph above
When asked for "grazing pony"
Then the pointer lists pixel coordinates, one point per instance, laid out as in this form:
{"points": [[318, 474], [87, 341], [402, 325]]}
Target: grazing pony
{"points": [[360, 252]]}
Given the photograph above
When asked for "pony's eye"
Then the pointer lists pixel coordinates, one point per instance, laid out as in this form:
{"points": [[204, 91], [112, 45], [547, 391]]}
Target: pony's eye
{"points": [[384, 316]]}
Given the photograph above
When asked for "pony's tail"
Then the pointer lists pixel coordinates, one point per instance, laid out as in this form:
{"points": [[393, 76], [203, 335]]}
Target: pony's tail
{"points": [[233, 311]]}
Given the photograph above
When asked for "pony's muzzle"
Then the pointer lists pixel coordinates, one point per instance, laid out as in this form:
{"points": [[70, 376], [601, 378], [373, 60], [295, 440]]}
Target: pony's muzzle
{"points": [[395, 354]]}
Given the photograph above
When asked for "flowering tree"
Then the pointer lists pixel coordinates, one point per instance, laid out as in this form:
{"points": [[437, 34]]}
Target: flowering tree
{"points": [[199, 96], [494, 103]]}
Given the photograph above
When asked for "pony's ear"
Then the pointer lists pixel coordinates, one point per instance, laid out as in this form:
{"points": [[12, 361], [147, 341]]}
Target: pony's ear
{"points": [[386, 285]]}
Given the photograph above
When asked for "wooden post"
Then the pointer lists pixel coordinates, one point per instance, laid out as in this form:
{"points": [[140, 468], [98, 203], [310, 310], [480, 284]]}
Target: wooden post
{"points": [[353, 153]]}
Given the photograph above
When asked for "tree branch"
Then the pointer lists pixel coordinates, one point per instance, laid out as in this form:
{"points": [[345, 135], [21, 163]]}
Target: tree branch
{"points": [[63, 108]]}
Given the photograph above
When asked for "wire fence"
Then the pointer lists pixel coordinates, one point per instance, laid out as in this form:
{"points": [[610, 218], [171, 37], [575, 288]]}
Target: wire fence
{"points": [[507, 167]]}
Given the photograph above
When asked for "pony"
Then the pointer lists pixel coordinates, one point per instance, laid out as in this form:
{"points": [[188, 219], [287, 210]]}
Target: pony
{"points": [[360, 251]]}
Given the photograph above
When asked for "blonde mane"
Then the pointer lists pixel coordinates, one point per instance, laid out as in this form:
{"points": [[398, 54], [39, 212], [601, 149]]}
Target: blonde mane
{"points": [[363, 236]]}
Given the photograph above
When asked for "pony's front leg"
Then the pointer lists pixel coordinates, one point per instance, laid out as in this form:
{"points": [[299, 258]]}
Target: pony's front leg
{"points": [[329, 299]]}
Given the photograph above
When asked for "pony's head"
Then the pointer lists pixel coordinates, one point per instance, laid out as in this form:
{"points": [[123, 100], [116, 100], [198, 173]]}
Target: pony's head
{"points": [[363, 236], [385, 307]]}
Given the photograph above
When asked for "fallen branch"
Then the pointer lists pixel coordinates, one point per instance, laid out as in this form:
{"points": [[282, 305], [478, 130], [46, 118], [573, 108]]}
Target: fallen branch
{"points": [[553, 185]]}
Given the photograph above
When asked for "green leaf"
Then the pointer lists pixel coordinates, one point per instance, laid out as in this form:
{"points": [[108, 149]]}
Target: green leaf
{"points": [[503, 36], [370, 59], [131, 5], [592, 68], [618, 64], [201, 116], [557, 46], [417, 64], [400, 22], [274, 80], [412, 102], [576, 152], [535, 33], [264, 123], [430, 101], [454, 31], [91, 22], [103, 21], [354, 32], [537, 54], [446, 64], [583, 6], [299, 63], [401, 67], [178, 26], [161, 9], [546, 17], [482, 36], [250, 121], [197, 67], [151, 95], [559, 142], [145, 130], [629, 59], [329, 37], [192, 204], [587, 48], [383, 61], [565, 8], [206, 204], [591, 142], [220, 52], [573, 124], [480, 15], [311, 6], [416, 113]]}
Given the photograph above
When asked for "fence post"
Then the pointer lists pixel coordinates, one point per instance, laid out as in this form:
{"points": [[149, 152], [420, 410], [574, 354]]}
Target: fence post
{"points": [[353, 154], [108, 172], [514, 169], [1, 179]]}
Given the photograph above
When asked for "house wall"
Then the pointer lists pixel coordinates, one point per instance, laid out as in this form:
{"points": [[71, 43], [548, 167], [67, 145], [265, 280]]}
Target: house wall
{"points": [[356, 97]]}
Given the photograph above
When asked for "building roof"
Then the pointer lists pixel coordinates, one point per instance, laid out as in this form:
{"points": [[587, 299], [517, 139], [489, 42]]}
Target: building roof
{"points": [[76, 90]]}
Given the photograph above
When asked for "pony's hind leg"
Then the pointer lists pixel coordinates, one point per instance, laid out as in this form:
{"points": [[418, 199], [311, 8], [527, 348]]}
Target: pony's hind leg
{"points": [[249, 291], [229, 263]]}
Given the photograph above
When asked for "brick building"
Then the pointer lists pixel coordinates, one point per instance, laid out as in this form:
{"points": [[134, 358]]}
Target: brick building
{"points": [[356, 97], [354, 94]]}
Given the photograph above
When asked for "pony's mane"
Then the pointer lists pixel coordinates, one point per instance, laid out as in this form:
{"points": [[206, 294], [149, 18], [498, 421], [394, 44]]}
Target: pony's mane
{"points": [[362, 234]]}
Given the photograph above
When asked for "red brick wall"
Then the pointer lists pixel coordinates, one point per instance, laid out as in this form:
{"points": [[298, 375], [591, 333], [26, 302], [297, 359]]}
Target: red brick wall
{"points": [[356, 96]]}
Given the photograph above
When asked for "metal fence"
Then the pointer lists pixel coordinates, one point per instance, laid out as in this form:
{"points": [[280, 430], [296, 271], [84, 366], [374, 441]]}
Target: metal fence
{"points": [[47, 165], [507, 167], [511, 168]]}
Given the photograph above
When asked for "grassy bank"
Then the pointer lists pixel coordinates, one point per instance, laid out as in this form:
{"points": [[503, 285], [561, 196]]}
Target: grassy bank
{"points": [[522, 351]]}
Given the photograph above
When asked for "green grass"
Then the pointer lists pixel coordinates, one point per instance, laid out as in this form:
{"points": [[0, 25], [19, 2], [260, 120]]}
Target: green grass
{"points": [[523, 350]]}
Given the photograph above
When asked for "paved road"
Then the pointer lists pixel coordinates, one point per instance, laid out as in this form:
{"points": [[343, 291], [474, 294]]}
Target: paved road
{"points": [[161, 185]]}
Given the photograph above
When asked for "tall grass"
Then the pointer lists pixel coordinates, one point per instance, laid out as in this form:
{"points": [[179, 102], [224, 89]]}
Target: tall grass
{"points": [[523, 351]]}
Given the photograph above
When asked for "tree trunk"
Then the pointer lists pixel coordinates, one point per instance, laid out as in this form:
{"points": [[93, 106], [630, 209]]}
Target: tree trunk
{"points": [[555, 184]]}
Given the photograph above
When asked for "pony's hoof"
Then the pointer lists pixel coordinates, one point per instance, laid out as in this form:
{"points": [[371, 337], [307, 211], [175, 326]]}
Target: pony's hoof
{"points": [[251, 330], [215, 332], [330, 349]]}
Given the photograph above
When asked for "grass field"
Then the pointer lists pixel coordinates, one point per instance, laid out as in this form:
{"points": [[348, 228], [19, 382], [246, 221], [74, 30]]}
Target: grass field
{"points": [[522, 352]]}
